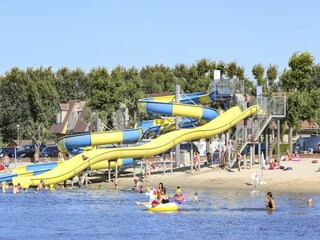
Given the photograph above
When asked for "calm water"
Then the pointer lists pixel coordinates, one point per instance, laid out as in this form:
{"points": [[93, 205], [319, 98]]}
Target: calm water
{"points": [[112, 214]]}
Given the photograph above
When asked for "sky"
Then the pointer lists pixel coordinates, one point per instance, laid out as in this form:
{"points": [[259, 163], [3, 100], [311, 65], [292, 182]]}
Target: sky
{"points": [[105, 33]]}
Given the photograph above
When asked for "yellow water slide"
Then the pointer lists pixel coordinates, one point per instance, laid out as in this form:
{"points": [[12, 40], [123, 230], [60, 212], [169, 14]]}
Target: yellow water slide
{"points": [[159, 145]]}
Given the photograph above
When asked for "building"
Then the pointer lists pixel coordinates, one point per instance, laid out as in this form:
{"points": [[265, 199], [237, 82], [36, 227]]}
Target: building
{"points": [[70, 119]]}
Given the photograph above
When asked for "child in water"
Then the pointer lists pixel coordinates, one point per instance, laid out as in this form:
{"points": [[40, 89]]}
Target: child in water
{"points": [[195, 197]]}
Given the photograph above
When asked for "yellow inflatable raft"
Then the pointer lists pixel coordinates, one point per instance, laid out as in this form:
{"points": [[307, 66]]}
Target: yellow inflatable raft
{"points": [[165, 207]]}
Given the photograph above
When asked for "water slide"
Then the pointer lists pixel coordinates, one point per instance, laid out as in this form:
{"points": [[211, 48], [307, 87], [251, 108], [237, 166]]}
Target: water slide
{"points": [[157, 105], [164, 106], [159, 145], [29, 170]]}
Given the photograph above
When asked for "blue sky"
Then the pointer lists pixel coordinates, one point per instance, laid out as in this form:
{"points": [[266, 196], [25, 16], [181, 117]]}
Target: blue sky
{"points": [[92, 33]]}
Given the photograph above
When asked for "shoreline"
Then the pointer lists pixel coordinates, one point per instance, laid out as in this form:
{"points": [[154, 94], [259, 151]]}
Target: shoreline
{"points": [[304, 178]]}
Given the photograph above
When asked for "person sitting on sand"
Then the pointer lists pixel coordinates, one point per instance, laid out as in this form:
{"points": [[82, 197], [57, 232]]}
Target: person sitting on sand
{"points": [[270, 203], [273, 164], [289, 156]]}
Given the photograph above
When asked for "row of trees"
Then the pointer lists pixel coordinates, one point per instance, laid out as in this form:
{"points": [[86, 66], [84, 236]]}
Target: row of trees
{"points": [[29, 98]]}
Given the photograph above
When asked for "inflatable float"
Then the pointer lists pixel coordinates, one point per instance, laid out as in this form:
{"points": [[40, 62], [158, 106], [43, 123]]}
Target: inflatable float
{"points": [[153, 204], [165, 207]]}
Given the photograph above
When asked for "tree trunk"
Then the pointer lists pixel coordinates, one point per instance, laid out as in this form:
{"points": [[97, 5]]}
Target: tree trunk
{"points": [[290, 138]]}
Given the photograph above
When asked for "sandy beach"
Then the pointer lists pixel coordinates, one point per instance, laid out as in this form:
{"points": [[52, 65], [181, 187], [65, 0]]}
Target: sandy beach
{"points": [[304, 178]]}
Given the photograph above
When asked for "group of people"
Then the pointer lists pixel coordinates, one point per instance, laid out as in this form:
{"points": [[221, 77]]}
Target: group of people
{"points": [[271, 204], [17, 188], [5, 187], [159, 196]]}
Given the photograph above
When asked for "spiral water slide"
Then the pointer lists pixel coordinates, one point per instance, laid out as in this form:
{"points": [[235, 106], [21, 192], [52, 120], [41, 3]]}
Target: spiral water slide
{"points": [[161, 144]]}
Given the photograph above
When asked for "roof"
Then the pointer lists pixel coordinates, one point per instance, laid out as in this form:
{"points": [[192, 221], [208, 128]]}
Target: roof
{"points": [[21, 142], [81, 126], [64, 106], [58, 128]]}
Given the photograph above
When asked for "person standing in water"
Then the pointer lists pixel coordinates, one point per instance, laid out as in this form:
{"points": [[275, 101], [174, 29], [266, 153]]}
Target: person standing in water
{"points": [[270, 203]]}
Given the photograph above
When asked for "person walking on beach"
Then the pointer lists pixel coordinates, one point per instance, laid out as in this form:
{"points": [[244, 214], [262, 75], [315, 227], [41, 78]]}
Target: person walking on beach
{"points": [[270, 203], [223, 155], [196, 159], [116, 183], [238, 160]]}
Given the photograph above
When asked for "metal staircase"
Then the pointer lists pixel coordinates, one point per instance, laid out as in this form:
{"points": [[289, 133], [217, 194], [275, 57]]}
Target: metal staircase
{"points": [[254, 127]]}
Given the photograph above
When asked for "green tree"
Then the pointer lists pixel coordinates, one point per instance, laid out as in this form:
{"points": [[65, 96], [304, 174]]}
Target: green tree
{"points": [[106, 92], [14, 104], [258, 73], [71, 84], [296, 82], [272, 74], [150, 80]]}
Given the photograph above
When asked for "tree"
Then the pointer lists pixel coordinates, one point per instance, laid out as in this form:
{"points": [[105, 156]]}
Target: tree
{"points": [[258, 73], [14, 104], [106, 92], [71, 84], [296, 81], [272, 74]]}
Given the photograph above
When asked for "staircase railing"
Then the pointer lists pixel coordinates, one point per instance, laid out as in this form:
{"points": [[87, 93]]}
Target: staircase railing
{"points": [[254, 127]]}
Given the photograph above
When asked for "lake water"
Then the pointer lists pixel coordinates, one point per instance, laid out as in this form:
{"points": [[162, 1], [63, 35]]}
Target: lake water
{"points": [[112, 214]]}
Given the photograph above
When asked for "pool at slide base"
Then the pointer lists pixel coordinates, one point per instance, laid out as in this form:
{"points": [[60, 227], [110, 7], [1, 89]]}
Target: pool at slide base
{"points": [[161, 144]]}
